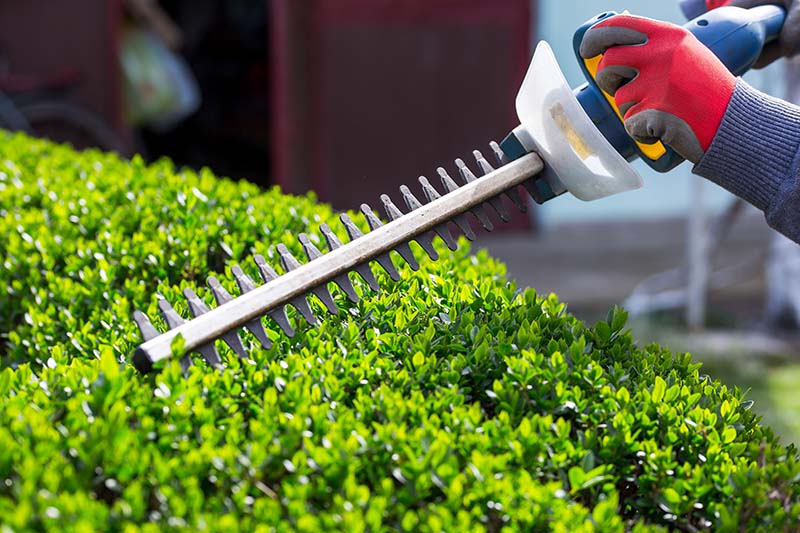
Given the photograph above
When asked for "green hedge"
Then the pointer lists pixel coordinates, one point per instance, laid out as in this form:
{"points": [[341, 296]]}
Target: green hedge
{"points": [[451, 400]]}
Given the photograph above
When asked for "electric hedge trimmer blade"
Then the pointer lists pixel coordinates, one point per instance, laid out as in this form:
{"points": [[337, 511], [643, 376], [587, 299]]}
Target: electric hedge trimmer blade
{"points": [[422, 223]]}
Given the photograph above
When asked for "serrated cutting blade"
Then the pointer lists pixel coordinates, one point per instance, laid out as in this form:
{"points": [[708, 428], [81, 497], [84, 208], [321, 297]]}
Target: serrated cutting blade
{"points": [[422, 223]]}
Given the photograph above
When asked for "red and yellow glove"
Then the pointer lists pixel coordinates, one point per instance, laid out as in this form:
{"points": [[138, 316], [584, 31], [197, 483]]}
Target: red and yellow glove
{"points": [[788, 43], [666, 83]]}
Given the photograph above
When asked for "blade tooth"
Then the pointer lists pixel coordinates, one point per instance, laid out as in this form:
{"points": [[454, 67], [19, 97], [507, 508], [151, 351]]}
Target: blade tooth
{"points": [[373, 221], [197, 308], [363, 270], [146, 327], [500, 209], [496, 202], [289, 263], [463, 224], [326, 298], [447, 182], [173, 320], [464, 170], [441, 230], [220, 294], [482, 217], [170, 315], [405, 252], [429, 190], [267, 272], [514, 196], [196, 305], [432, 194], [330, 237], [301, 304], [499, 155], [322, 292], [246, 284], [478, 211], [186, 362], [257, 329], [367, 275], [279, 313], [393, 212], [343, 282], [408, 197], [282, 319], [233, 340], [383, 260], [483, 164], [243, 281], [386, 263], [352, 230], [426, 241], [311, 251]]}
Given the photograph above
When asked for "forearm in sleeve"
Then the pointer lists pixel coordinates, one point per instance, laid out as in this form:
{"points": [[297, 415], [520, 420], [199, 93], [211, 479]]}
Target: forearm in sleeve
{"points": [[754, 155]]}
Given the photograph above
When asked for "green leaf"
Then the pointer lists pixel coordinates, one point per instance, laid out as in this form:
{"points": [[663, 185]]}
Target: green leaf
{"points": [[672, 394], [108, 362], [6, 375], [659, 387], [619, 319], [672, 498], [603, 331], [728, 435], [576, 478], [588, 461]]}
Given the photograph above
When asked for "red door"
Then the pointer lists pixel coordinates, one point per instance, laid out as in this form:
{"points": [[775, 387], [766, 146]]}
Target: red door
{"points": [[371, 94]]}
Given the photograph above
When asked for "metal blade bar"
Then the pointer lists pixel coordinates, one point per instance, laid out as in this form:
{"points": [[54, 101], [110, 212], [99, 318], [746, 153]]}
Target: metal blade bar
{"points": [[297, 283]]}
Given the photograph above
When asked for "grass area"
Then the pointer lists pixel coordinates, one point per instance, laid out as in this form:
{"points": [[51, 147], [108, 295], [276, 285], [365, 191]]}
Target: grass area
{"points": [[772, 385]]}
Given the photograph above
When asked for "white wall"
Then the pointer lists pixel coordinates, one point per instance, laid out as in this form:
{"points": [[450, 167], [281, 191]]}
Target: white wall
{"points": [[663, 194]]}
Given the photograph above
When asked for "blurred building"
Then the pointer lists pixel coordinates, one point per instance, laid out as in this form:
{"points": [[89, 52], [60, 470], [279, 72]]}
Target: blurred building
{"points": [[335, 96]]}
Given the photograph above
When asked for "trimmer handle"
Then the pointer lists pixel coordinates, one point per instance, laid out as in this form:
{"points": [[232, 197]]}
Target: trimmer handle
{"points": [[693, 8], [735, 35]]}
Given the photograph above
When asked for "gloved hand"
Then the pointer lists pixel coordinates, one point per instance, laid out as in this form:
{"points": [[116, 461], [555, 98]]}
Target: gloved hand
{"points": [[788, 43], [667, 84]]}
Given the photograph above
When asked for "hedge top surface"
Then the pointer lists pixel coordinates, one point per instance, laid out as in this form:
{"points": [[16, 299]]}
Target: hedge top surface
{"points": [[449, 401]]}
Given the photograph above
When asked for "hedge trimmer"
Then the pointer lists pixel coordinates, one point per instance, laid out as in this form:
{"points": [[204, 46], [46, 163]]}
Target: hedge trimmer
{"points": [[568, 141]]}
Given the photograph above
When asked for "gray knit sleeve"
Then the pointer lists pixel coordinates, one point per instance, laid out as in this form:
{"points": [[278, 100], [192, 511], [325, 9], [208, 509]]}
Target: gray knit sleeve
{"points": [[754, 155]]}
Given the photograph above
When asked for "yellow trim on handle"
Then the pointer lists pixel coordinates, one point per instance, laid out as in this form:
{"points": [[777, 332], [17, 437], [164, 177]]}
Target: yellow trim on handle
{"points": [[652, 151]]}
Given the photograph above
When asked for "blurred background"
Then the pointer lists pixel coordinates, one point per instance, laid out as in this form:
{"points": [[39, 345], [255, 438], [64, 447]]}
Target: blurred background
{"points": [[351, 98]]}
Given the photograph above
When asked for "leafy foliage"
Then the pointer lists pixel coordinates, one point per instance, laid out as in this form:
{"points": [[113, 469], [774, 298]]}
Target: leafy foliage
{"points": [[451, 400]]}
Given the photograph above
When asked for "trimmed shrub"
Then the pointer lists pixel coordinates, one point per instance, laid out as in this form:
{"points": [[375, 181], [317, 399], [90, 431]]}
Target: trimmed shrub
{"points": [[450, 401]]}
